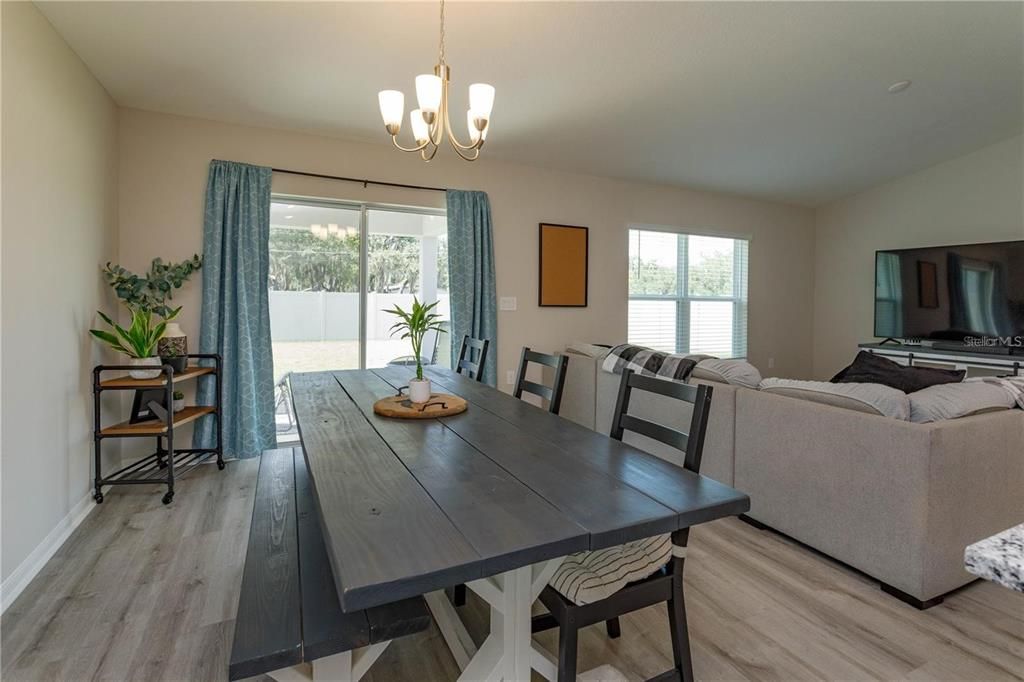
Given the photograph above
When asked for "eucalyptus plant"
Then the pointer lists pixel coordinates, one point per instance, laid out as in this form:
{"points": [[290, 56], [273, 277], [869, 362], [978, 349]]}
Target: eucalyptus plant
{"points": [[139, 339], [151, 291], [414, 325]]}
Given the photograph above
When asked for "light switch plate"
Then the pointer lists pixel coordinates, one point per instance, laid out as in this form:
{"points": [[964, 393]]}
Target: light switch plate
{"points": [[510, 377], [507, 303]]}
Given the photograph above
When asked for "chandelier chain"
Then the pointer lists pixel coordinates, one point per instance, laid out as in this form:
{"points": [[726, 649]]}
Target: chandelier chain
{"points": [[440, 56]]}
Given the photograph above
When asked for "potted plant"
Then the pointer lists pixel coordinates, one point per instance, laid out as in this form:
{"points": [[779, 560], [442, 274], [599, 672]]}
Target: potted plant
{"points": [[172, 354], [179, 401], [137, 341], [414, 325], [152, 292]]}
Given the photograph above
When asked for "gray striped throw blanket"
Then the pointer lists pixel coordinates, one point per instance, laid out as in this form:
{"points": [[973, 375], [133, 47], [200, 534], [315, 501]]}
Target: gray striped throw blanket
{"points": [[1013, 385], [649, 362]]}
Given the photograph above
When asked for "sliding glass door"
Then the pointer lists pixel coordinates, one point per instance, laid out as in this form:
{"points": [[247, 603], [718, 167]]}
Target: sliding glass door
{"points": [[406, 256], [335, 266]]}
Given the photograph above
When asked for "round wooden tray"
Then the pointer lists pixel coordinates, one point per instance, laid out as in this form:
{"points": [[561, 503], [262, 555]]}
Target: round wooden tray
{"points": [[439, 405]]}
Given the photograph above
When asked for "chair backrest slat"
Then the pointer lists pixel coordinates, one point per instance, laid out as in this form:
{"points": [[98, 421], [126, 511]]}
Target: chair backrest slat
{"points": [[691, 443], [473, 347], [553, 393], [676, 439]]}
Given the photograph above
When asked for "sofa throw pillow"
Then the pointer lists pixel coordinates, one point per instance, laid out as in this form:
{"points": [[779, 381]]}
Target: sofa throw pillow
{"points": [[868, 398], [735, 372], [869, 368], [953, 401]]}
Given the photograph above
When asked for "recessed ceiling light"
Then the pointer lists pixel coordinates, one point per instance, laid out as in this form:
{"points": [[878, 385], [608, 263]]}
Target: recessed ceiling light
{"points": [[289, 217], [899, 86]]}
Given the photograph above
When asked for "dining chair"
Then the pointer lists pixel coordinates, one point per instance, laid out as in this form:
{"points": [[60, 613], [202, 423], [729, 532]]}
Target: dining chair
{"points": [[601, 585], [474, 368], [553, 393]]}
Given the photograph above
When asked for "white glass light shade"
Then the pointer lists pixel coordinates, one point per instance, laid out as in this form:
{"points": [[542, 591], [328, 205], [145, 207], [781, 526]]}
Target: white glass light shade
{"points": [[481, 99], [428, 92], [474, 134], [392, 107], [420, 129]]}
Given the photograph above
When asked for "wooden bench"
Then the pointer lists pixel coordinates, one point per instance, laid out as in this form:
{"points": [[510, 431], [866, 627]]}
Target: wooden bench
{"points": [[288, 611]]}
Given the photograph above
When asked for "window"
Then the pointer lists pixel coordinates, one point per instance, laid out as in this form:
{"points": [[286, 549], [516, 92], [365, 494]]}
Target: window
{"points": [[688, 293]]}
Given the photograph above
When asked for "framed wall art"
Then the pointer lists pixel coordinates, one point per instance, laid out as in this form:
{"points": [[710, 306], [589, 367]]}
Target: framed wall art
{"points": [[564, 265]]}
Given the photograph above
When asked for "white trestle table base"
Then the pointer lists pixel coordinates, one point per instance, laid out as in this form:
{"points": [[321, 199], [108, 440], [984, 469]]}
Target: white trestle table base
{"points": [[348, 666], [509, 652]]}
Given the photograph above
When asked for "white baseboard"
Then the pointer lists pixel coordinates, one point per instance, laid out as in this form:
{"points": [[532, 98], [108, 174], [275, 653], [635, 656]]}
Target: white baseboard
{"points": [[18, 580]]}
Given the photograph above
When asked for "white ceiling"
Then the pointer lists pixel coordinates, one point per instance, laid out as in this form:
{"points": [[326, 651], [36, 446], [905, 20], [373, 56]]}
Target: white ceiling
{"points": [[785, 101]]}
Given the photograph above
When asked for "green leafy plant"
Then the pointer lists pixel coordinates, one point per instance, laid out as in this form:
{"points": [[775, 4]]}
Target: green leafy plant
{"points": [[414, 325], [152, 291], [139, 339], [178, 395]]}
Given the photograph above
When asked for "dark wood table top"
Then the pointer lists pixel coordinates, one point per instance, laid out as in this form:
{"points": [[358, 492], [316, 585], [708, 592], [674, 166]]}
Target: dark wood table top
{"points": [[412, 506]]}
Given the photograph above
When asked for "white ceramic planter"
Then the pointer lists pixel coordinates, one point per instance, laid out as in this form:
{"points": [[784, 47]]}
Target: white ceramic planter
{"points": [[179, 405], [419, 390], [145, 373]]}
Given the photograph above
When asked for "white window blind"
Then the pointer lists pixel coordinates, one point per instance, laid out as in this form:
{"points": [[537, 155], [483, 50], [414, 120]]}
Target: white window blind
{"points": [[688, 293]]}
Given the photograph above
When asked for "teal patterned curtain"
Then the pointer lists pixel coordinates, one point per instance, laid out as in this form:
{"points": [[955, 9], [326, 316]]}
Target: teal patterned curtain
{"points": [[471, 275], [236, 308]]}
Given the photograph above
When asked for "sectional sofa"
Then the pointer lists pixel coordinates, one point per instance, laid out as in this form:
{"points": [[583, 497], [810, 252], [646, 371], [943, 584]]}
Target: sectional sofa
{"points": [[896, 500]]}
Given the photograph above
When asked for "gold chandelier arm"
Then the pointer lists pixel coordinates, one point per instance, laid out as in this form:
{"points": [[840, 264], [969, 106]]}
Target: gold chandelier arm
{"points": [[455, 140], [428, 157], [436, 130], [394, 141], [467, 157]]}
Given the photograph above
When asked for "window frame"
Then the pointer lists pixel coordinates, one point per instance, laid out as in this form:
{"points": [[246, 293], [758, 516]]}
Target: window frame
{"points": [[682, 299]]}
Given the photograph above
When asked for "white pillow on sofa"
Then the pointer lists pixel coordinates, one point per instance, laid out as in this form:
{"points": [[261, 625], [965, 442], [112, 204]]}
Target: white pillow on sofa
{"points": [[735, 372], [952, 401], [869, 398]]}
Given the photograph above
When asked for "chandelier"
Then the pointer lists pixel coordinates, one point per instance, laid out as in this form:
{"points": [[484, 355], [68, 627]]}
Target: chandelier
{"points": [[430, 123]]}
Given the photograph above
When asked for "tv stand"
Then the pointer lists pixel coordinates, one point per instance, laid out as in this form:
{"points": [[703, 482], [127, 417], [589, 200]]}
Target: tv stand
{"points": [[974, 363]]}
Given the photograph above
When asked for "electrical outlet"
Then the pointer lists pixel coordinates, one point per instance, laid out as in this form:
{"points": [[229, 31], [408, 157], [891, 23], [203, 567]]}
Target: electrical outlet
{"points": [[510, 377], [507, 303], [771, 363]]}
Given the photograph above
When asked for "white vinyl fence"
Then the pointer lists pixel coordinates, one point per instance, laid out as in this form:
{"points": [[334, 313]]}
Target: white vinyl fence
{"points": [[334, 316]]}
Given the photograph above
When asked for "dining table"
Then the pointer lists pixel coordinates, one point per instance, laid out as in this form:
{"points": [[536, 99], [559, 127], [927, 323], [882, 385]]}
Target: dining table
{"points": [[494, 498]]}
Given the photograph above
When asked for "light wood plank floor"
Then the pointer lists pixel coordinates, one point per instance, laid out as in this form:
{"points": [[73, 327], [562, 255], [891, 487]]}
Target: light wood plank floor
{"points": [[147, 592]]}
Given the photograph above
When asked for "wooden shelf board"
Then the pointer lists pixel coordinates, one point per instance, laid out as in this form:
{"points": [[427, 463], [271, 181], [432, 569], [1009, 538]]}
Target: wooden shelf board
{"points": [[126, 381], [156, 428]]}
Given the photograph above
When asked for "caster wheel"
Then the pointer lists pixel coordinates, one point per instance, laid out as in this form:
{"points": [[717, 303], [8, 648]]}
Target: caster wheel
{"points": [[98, 497], [168, 497], [220, 465]]}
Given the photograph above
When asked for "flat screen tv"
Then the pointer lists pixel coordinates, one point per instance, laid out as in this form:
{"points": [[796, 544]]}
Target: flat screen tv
{"points": [[958, 294]]}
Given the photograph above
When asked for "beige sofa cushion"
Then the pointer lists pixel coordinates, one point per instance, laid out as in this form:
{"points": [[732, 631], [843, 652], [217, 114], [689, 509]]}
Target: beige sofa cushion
{"points": [[953, 401], [735, 372], [869, 398]]}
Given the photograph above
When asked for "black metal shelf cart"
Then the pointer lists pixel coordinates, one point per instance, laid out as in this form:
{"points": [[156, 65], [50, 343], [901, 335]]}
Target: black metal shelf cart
{"points": [[154, 401]]}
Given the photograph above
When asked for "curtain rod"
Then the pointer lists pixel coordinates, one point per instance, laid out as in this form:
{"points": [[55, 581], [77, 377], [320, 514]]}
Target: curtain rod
{"points": [[359, 180]]}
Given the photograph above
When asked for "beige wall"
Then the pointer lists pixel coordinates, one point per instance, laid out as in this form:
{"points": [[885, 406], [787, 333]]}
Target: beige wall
{"points": [[59, 218], [163, 174], [975, 198]]}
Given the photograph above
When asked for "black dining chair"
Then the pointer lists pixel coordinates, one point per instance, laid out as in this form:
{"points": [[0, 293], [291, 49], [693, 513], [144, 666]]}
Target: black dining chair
{"points": [[553, 393], [574, 595], [466, 363]]}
